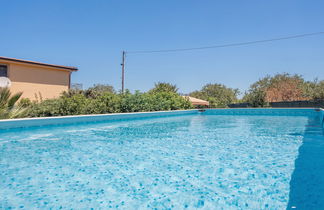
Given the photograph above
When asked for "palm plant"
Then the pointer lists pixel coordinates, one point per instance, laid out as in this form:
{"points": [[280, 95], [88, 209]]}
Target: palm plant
{"points": [[8, 108]]}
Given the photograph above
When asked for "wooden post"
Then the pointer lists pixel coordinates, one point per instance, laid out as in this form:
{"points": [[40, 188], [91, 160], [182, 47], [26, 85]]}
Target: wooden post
{"points": [[123, 71]]}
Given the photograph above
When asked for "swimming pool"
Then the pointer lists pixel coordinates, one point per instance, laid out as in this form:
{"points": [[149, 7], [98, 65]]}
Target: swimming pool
{"points": [[217, 159]]}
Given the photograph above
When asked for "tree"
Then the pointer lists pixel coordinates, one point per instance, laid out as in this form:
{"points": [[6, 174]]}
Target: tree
{"points": [[285, 87], [102, 88], [315, 89], [164, 87], [319, 90], [92, 92], [98, 89], [7, 104], [218, 95], [280, 87]]}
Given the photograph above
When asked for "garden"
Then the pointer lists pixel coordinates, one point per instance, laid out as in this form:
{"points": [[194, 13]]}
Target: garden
{"points": [[101, 99]]}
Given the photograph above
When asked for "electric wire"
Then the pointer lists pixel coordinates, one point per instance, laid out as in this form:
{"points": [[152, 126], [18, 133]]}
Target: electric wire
{"points": [[225, 45]]}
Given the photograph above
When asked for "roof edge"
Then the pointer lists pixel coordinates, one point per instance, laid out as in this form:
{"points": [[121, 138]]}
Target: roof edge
{"points": [[70, 68]]}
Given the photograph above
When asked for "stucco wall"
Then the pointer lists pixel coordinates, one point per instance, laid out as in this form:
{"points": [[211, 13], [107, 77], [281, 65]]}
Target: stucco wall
{"points": [[38, 80]]}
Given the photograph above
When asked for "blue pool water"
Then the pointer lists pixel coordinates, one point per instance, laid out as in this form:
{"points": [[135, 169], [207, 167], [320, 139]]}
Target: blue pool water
{"points": [[202, 160]]}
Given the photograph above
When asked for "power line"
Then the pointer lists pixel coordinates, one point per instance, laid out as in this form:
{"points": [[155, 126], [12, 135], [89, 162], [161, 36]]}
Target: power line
{"points": [[225, 45], [211, 47]]}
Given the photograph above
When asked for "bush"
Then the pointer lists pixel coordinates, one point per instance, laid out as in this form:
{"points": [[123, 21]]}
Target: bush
{"points": [[64, 105], [25, 102], [168, 101], [45, 108], [76, 103], [105, 103], [153, 101], [218, 95]]}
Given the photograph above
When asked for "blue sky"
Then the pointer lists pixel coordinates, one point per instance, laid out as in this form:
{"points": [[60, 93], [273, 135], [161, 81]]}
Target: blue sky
{"points": [[92, 34]]}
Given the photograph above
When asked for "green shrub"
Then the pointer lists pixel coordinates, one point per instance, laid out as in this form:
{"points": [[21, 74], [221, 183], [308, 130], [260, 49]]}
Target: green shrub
{"points": [[25, 102], [133, 102], [78, 103], [105, 103], [218, 95], [168, 101], [46, 108]]}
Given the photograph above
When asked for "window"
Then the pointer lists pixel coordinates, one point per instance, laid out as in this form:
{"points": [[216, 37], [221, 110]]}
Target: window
{"points": [[3, 71]]}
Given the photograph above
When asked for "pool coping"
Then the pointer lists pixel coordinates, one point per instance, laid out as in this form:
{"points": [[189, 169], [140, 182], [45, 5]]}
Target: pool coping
{"points": [[73, 119]]}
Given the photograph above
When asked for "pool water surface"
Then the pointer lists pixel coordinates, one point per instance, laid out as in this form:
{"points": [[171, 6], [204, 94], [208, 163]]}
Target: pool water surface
{"points": [[206, 161]]}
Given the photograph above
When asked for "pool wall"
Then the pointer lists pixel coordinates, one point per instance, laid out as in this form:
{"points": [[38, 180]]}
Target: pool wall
{"points": [[44, 121], [310, 112], [322, 117], [266, 111]]}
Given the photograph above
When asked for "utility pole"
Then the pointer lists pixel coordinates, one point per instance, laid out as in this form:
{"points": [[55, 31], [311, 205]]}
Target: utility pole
{"points": [[123, 70]]}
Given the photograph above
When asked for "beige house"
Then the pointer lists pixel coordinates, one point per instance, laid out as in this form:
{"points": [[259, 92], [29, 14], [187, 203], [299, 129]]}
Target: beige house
{"points": [[36, 80]]}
